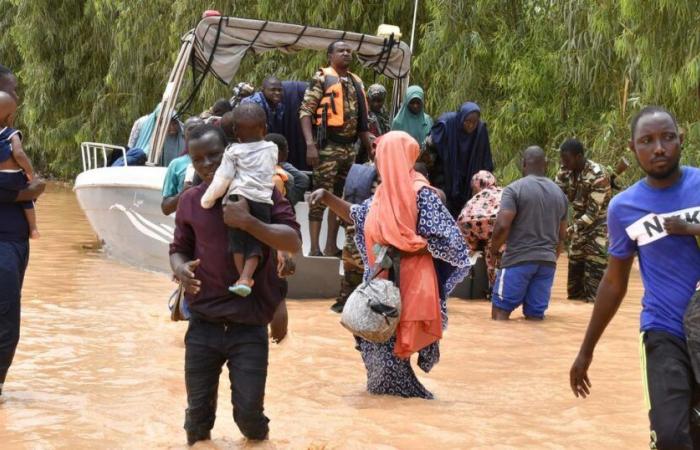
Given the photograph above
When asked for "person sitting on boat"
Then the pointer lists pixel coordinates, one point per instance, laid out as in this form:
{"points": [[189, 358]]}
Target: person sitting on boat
{"points": [[246, 172], [15, 165], [407, 214], [335, 107], [140, 139], [214, 114], [176, 177], [270, 100], [298, 182], [224, 328]]}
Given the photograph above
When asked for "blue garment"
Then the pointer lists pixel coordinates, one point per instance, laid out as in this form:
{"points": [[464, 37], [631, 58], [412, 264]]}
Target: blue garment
{"points": [[16, 180], [13, 222], [14, 257], [670, 265], [134, 157], [174, 181], [528, 284], [274, 116], [359, 183], [5, 142], [461, 154], [386, 373], [146, 130], [292, 97]]}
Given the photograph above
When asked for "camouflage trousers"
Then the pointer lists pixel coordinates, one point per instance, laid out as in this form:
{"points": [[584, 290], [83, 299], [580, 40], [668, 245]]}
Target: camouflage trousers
{"points": [[335, 161], [352, 266], [587, 263]]}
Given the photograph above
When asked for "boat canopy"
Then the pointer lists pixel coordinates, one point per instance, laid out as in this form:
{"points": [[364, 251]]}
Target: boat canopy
{"points": [[218, 45]]}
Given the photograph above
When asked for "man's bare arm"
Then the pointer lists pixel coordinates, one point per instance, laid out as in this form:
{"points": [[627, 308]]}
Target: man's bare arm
{"points": [[501, 230], [611, 291]]}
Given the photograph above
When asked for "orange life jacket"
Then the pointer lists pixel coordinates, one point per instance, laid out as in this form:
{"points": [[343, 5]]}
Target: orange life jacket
{"points": [[332, 100]]}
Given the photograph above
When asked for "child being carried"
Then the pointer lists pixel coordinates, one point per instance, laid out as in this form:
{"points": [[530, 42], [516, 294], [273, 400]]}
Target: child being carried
{"points": [[246, 171], [15, 167]]}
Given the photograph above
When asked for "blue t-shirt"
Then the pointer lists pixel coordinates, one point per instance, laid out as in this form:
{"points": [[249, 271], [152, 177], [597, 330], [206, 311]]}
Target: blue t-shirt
{"points": [[175, 176], [670, 265]]}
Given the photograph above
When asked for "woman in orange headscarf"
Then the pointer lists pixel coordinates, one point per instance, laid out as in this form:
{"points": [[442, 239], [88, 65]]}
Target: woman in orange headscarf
{"points": [[407, 214]]}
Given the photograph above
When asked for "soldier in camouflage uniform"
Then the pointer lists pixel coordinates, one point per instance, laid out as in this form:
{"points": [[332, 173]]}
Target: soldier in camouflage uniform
{"points": [[587, 186], [335, 108]]}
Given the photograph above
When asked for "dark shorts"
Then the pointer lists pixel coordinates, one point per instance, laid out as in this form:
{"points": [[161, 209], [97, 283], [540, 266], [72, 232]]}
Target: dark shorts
{"points": [[242, 242], [16, 181]]}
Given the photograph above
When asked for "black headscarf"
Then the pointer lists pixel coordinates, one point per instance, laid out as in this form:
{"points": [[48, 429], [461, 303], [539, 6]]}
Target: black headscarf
{"points": [[461, 154]]}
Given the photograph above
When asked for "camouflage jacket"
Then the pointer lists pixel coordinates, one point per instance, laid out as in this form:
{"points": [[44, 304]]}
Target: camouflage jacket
{"points": [[351, 109], [379, 123], [589, 193]]}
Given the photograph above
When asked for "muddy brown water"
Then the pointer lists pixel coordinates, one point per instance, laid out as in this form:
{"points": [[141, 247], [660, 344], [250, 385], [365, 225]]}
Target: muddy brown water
{"points": [[100, 366]]}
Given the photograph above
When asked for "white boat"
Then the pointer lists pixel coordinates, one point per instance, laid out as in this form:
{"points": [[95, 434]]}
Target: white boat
{"points": [[122, 204]]}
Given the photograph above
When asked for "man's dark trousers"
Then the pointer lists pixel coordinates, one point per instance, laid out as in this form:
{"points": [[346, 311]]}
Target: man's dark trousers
{"points": [[14, 257], [244, 348]]}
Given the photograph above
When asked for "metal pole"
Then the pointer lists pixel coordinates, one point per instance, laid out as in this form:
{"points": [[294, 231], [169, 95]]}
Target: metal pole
{"points": [[413, 28], [413, 35]]}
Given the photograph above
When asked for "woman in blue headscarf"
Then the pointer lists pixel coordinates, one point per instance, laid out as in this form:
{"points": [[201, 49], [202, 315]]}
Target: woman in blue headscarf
{"points": [[462, 148]]}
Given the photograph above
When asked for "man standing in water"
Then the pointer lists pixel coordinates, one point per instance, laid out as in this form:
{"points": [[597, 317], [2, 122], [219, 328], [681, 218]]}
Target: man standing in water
{"points": [[587, 186], [670, 267], [14, 250], [532, 221], [335, 107], [226, 328]]}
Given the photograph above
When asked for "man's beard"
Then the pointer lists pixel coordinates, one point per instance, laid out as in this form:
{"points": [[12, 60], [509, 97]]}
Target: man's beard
{"points": [[666, 173]]}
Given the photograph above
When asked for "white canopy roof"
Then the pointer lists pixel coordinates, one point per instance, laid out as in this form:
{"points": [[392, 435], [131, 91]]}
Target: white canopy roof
{"points": [[218, 44], [230, 42]]}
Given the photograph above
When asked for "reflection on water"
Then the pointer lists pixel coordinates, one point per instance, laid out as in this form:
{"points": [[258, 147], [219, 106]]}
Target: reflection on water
{"points": [[99, 365]]}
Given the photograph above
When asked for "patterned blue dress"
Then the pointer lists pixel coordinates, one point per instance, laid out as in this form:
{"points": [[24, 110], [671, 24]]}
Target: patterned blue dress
{"points": [[386, 373]]}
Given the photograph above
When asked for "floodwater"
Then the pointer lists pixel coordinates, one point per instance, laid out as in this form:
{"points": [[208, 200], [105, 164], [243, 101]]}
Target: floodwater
{"points": [[99, 365]]}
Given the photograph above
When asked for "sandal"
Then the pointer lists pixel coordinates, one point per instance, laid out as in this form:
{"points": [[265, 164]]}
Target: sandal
{"points": [[242, 288]]}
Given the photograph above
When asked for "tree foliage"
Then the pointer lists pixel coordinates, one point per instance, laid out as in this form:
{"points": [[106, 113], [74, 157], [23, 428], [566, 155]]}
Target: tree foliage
{"points": [[541, 70]]}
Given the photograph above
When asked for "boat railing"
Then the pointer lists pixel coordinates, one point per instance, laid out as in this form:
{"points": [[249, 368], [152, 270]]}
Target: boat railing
{"points": [[92, 151]]}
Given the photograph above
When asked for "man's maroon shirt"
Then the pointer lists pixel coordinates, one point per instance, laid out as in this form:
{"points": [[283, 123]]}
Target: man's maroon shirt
{"points": [[202, 234]]}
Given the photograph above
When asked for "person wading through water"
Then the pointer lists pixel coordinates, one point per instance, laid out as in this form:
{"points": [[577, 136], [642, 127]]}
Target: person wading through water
{"points": [[670, 268], [14, 249], [335, 107], [225, 328], [588, 189]]}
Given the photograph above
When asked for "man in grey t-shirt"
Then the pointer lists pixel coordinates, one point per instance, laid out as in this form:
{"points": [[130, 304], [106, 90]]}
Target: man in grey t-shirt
{"points": [[532, 223]]}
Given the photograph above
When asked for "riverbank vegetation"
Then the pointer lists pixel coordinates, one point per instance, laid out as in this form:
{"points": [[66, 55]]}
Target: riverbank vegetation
{"points": [[541, 70]]}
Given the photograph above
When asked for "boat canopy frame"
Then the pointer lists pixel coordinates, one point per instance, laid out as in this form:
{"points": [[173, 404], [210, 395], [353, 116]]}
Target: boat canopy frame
{"points": [[218, 44]]}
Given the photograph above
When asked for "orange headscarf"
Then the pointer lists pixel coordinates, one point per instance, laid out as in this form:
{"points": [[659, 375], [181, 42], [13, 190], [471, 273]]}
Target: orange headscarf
{"points": [[392, 220]]}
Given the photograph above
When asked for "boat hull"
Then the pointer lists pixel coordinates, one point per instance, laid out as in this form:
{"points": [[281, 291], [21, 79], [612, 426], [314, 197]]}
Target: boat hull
{"points": [[122, 205]]}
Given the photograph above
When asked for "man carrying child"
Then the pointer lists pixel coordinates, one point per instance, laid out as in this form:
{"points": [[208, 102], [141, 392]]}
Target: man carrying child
{"points": [[224, 327]]}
